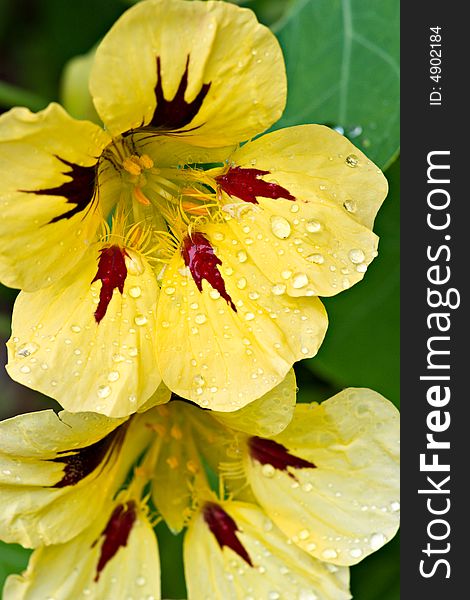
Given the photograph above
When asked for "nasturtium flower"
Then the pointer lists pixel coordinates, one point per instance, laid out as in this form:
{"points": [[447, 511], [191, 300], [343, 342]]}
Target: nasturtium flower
{"points": [[300, 497], [164, 248]]}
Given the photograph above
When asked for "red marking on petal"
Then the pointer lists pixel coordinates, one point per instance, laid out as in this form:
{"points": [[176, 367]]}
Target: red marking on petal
{"points": [[269, 452], [79, 189], [199, 256], [112, 272], [246, 185], [224, 529], [116, 533], [174, 114], [81, 462]]}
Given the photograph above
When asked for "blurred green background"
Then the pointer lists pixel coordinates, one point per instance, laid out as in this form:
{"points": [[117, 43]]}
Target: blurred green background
{"points": [[342, 59]]}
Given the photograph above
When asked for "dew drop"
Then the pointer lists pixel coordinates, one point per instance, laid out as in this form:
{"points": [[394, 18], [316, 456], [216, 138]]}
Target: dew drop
{"points": [[103, 391], [200, 319], [242, 256], [286, 274], [249, 316], [113, 376], [25, 369], [280, 227], [170, 290], [241, 283], [329, 553], [350, 206], [140, 320], [313, 226], [377, 540], [278, 289], [356, 256], [140, 581], [304, 534], [299, 280], [355, 552], [352, 160], [27, 349], [274, 595], [214, 294], [268, 470], [395, 506], [318, 259], [135, 292], [76, 328], [362, 268]]}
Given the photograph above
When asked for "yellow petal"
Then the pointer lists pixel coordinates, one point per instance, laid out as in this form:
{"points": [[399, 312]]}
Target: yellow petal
{"points": [[268, 415], [174, 152], [68, 571], [235, 84], [49, 210], [59, 348], [45, 497], [315, 251], [178, 467], [222, 358], [279, 570], [315, 162], [346, 505]]}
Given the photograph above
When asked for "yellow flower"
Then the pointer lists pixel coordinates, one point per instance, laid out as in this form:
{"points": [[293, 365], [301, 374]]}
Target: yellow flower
{"points": [[298, 501], [160, 249]]}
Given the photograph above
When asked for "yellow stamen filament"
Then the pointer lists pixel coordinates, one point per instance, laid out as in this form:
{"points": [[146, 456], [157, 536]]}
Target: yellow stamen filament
{"points": [[140, 197]]}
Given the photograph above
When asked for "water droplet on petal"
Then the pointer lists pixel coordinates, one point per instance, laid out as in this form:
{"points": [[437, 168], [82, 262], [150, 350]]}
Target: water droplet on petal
{"points": [[140, 320], [377, 540], [355, 552], [352, 160], [299, 280], [356, 256], [278, 289], [313, 226], [280, 227], [318, 259], [113, 376], [241, 283], [268, 470], [362, 268], [103, 391], [242, 256], [200, 319], [27, 349], [135, 292], [329, 553], [350, 206]]}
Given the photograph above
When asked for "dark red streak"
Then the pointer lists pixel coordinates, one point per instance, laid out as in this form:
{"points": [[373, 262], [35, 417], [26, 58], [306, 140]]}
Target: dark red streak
{"points": [[269, 452], [116, 533], [247, 185], [79, 190], [112, 272], [174, 114], [224, 529], [199, 256], [83, 461]]}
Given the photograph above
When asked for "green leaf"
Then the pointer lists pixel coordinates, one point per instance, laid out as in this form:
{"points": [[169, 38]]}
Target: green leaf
{"points": [[343, 70], [362, 343], [13, 559]]}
